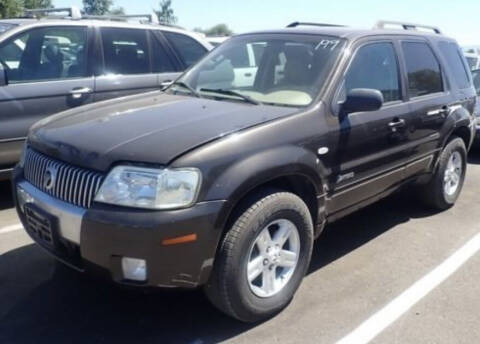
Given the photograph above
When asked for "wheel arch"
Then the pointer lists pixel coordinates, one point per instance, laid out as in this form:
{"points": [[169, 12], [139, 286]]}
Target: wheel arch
{"points": [[291, 169], [460, 126]]}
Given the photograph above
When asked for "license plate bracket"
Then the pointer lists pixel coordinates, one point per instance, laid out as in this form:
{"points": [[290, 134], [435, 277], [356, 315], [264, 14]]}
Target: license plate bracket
{"points": [[41, 226]]}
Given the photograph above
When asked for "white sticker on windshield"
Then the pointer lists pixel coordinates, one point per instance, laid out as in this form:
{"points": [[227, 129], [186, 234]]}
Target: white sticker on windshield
{"points": [[328, 44]]}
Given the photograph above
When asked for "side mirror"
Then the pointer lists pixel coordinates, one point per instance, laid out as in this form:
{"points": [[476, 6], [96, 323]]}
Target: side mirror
{"points": [[3, 76], [361, 100]]}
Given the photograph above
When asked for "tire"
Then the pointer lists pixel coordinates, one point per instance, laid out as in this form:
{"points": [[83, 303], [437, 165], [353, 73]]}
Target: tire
{"points": [[435, 192], [229, 288]]}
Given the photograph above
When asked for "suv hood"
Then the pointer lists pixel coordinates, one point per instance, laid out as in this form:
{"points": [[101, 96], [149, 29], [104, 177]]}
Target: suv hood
{"points": [[150, 128]]}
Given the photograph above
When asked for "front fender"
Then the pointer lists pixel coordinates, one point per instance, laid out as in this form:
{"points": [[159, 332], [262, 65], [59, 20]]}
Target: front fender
{"points": [[246, 174]]}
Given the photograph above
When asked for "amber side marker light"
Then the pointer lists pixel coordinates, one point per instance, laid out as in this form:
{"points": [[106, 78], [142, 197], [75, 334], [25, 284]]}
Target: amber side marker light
{"points": [[179, 240]]}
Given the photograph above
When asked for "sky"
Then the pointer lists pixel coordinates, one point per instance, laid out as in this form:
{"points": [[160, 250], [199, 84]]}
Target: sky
{"points": [[458, 18]]}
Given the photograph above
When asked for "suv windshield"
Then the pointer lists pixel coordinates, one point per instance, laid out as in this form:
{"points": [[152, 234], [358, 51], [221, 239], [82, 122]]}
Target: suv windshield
{"points": [[286, 70], [5, 27]]}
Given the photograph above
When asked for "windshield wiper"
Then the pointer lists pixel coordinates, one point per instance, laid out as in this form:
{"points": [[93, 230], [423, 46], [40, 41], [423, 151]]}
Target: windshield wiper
{"points": [[231, 93], [187, 86]]}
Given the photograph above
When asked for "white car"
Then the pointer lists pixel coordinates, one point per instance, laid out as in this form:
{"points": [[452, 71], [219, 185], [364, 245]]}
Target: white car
{"points": [[216, 41], [473, 60]]}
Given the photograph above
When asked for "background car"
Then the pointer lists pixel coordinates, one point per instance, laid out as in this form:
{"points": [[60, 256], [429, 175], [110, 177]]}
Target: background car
{"points": [[476, 83], [473, 60], [216, 41], [51, 65]]}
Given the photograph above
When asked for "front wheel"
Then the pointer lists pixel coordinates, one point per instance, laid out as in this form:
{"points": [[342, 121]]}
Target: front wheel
{"points": [[446, 185], [263, 257]]}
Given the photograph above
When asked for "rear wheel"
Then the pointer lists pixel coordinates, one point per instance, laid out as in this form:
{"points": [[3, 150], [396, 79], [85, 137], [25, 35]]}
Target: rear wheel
{"points": [[263, 257], [443, 190]]}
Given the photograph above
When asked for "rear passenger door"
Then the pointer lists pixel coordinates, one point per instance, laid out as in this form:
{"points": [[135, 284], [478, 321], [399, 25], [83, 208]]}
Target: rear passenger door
{"points": [[127, 63], [166, 65], [48, 71], [428, 95]]}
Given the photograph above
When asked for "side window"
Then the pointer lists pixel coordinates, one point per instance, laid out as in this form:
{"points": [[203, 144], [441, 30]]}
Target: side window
{"points": [[423, 68], [451, 53], [375, 66], [125, 51], [161, 60], [46, 54], [189, 49]]}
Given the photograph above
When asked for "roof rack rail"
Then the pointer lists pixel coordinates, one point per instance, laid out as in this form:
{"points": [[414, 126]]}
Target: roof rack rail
{"points": [[150, 18], [73, 12], [295, 24], [406, 26]]}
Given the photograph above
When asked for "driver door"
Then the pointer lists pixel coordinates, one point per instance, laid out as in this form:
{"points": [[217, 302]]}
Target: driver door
{"points": [[372, 145], [47, 72]]}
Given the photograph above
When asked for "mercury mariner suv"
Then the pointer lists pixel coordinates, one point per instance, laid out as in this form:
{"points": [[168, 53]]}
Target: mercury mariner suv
{"points": [[225, 184]]}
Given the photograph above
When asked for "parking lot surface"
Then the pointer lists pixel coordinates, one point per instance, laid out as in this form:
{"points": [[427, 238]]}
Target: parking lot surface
{"points": [[359, 266]]}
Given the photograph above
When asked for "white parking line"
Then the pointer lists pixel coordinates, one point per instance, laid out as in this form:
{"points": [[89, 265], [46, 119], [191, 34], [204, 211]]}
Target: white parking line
{"points": [[11, 228], [400, 305]]}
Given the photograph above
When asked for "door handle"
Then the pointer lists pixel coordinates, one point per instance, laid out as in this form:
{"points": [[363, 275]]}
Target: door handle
{"points": [[79, 92], [397, 123], [166, 83], [442, 111]]}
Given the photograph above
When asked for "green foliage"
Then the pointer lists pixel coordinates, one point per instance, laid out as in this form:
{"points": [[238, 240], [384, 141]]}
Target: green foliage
{"points": [[166, 15], [218, 30], [118, 11], [10, 8], [37, 4], [97, 7]]}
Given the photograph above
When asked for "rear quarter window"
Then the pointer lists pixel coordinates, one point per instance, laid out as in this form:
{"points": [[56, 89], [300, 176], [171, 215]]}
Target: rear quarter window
{"points": [[456, 63], [189, 49]]}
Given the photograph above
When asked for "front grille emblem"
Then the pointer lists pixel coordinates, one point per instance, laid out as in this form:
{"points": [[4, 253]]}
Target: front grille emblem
{"points": [[49, 178]]}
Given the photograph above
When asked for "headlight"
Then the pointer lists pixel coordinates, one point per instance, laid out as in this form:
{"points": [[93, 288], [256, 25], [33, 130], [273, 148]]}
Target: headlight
{"points": [[150, 188]]}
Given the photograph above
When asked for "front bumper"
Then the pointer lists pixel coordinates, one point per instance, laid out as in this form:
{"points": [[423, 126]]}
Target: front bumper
{"points": [[95, 240]]}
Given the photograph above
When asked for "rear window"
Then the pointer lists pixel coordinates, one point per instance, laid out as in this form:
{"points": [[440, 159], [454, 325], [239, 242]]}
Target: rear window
{"points": [[451, 53], [125, 51], [423, 68]]}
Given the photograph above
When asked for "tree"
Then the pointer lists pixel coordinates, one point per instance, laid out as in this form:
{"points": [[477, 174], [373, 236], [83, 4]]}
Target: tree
{"points": [[166, 15], [117, 11], [37, 4], [218, 30], [10, 8], [97, 7]]}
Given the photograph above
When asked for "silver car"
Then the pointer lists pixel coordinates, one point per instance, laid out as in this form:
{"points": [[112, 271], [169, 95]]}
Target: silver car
{"points": [[51, 65]]}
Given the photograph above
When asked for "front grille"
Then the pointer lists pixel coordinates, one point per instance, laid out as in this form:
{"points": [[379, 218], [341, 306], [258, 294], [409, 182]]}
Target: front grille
{"points": [[68, 183]]}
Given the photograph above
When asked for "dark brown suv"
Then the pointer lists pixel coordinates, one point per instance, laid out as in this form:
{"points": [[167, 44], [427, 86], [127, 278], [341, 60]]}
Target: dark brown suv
{"points": [[223, 183]]}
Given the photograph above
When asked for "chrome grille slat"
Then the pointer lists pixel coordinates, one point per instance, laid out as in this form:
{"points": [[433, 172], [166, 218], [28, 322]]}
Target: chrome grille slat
{"points": [[74, 185], [88, 186]]}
